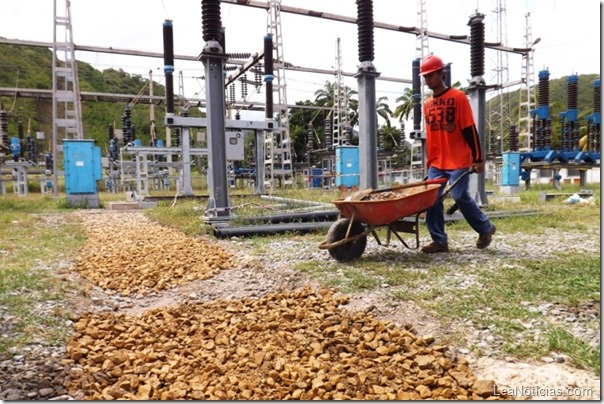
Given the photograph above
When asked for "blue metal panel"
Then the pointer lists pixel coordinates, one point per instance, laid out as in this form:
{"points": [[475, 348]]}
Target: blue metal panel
{"points": [[510, 169], [316, 178], [82, 166], [97, 163], [347, 166]]}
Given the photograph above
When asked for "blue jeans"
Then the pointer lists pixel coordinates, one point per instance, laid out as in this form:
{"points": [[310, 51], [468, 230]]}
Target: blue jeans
{"points": [[435, 216]]}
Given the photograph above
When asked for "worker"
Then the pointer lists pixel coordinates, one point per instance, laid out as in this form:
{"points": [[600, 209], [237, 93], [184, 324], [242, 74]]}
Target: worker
{"points": [[452, 148]]}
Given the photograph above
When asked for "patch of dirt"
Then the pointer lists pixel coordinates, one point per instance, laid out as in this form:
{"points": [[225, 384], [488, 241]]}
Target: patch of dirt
{"points": [[404, 314]]}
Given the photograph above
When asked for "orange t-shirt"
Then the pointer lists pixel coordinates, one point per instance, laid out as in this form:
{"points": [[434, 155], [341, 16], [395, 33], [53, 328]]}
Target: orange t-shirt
{"points": [[452, 141]]}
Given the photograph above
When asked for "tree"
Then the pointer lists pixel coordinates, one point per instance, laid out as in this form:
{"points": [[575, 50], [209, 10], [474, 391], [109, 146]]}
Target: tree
{"points": [[325, 97], [405, 106], [383, 109]]}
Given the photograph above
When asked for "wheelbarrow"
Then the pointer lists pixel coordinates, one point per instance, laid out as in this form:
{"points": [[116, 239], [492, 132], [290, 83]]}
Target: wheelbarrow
{"points": [[398, 208]]}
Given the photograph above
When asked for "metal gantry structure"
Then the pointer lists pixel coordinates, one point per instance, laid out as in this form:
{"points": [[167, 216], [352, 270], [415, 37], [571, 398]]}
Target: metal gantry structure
{"points": [[66, 107], [277, 156]]}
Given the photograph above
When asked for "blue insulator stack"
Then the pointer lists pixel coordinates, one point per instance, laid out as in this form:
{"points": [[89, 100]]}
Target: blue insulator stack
{"points": [[569, 119], [541, 117], [593, 120]]}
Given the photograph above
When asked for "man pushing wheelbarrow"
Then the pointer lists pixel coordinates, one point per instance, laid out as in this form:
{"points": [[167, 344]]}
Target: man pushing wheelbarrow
{"points": [[452, 146], [453, 152]]}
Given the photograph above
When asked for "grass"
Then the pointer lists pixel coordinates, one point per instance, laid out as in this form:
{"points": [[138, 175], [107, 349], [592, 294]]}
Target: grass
{"points": [[28, 251], [583, 355]]}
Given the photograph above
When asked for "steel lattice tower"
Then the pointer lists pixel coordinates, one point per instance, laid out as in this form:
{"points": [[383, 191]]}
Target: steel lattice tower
{"points": [[340, 107], [422, 47], [527, 101], [66, 107], [277, 144], [499, 115]]}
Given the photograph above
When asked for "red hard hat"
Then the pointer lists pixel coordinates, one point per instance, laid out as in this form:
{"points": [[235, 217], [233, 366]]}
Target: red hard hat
{"points": [[431, 64]]}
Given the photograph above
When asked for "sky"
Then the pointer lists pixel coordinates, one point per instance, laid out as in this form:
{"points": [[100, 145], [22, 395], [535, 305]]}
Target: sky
{"points": [[569, 33]]}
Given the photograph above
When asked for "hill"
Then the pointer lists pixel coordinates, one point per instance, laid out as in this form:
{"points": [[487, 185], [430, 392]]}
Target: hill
{"points": [[26, 67], [29, 67]]}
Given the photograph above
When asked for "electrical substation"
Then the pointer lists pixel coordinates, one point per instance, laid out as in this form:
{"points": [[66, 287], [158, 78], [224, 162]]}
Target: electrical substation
{"points": [[259, 155]]}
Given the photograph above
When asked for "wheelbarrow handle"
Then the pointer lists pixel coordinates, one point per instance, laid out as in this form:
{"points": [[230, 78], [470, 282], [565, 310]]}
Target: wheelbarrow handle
{"points": [[444, 194]]}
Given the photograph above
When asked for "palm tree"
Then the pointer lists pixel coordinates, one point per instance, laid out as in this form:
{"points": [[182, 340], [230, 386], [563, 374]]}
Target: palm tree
{"points": [[383, 109], [405, 108], [325, 97]]}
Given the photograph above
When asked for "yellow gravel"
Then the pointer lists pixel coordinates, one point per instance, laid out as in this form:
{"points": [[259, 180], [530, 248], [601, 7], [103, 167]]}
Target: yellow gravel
{"points": [[129, 254]]}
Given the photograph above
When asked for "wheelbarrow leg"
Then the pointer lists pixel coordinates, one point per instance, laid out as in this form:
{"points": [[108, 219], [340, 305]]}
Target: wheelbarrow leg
{"points": [[405, 227]]}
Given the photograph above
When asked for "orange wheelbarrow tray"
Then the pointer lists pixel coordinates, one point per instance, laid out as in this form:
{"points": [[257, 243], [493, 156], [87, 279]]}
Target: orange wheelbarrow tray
{"points": [[394, 207]]}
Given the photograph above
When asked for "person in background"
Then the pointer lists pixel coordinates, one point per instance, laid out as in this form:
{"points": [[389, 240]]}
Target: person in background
{"points": [[452, 148]]}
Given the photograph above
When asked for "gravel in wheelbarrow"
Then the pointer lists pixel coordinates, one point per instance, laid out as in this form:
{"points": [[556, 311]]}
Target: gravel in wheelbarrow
{"points": [[383, 208]]}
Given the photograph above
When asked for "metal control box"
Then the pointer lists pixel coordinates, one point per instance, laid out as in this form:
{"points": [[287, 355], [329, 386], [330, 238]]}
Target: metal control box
{"points": [[347, 166], [510, 170], [82, 161]]}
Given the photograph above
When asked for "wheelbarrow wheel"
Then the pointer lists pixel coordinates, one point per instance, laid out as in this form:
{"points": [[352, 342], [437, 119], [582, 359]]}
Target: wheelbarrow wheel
{"points": [[348, 251]]}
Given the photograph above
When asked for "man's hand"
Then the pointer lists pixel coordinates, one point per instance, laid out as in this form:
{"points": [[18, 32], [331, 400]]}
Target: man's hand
{"points": [[478, 167]]}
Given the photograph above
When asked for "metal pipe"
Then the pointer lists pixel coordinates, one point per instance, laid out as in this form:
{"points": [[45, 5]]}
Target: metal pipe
{"points": [[223, 232], [304, 217], [293, 201]]}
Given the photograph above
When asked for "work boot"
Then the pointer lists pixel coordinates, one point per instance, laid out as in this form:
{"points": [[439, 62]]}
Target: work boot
{"points": [[435, 247], [484, 240]]}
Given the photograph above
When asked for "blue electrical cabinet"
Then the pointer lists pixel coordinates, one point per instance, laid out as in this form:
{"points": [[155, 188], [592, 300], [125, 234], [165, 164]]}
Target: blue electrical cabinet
{"points": [[347, 166], [82, 161], [316, 177], [510, 169]]}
